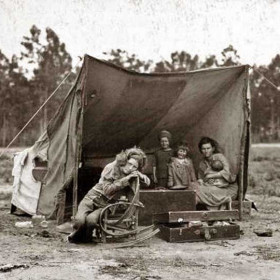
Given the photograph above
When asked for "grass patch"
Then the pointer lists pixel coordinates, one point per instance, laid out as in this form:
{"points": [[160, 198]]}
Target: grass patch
{"points": [[264, 170]]}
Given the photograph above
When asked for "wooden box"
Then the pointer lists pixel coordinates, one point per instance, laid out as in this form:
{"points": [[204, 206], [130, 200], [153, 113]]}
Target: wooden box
{"points": [[162, 201], [246, 208], [187, 216], [175, 233]]}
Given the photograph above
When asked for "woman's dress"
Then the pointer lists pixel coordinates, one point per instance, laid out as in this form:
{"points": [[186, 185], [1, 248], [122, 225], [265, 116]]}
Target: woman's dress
{"points": [[213, 195]]}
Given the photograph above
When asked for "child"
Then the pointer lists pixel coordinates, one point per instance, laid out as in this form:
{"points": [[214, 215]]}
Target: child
{"points": [[181, 174], [162, 158], [215, 167]]}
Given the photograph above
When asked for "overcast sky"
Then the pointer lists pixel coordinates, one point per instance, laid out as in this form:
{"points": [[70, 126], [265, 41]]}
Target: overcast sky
{"points": [[152, 29]]}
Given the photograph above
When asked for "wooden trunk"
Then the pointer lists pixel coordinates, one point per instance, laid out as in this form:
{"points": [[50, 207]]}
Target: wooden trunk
{"points": [[162, 201], [175, 233]]}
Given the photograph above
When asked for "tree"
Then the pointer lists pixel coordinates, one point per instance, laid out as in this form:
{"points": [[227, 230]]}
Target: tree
{"points": [[50, 63], [266, 100], [4, 95], [210, 62], [130, 62], [230, 57], [180, 61]]}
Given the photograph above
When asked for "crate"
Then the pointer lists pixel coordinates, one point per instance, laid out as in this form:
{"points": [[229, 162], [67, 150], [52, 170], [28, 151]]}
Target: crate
{"points": [[162, 201]]}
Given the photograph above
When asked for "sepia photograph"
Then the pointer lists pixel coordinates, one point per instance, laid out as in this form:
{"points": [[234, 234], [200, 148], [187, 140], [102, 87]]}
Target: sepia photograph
{"points": [[140, 140]]}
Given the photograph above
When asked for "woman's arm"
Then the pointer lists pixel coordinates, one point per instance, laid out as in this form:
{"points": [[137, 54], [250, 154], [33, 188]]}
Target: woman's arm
{"points": [[225, 173], [201, 170], [214, 175]]}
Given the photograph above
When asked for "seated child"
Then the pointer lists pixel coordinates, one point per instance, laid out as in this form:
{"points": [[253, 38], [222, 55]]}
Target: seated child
{"points": [[215, 167], [181, 174]]}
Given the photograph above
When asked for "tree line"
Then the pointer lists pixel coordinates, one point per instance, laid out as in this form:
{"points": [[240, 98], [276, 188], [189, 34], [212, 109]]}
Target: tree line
{"points": [[28, 79]]}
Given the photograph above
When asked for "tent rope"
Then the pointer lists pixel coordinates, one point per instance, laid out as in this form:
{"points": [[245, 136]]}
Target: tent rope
{"points": [[262, 75], [41, 107]]}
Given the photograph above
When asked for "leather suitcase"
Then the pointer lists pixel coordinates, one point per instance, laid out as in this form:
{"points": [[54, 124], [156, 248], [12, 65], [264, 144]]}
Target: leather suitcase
{"points": [[183, 233]]}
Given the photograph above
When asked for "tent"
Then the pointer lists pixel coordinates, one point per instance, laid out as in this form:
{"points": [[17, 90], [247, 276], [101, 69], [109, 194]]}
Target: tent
{"points": [[109, 109]]}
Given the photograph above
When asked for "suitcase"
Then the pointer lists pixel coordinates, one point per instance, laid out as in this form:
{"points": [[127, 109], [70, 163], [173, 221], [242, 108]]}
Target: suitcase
{"points": [[183, 233], [178, 226]]}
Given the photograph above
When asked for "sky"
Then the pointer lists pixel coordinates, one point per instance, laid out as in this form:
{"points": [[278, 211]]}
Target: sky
{"points": [[151, 29]]}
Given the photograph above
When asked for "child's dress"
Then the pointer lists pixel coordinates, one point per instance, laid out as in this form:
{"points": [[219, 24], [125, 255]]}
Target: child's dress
{"points": [[181, 174], [161, 161]]}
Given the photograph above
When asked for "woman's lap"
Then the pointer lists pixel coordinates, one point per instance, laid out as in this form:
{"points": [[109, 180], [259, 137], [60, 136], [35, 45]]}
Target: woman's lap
{"points": [[215, 196]]}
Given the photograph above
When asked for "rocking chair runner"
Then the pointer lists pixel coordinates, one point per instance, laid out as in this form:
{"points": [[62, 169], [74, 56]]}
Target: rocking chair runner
{"points": [[120, 220]]}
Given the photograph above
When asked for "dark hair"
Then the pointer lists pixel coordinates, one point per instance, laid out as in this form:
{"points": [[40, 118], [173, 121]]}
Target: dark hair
{"points": [[208, 140]]}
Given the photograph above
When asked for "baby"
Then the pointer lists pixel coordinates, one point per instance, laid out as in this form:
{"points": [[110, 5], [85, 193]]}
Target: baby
{"points": [[215, 167]]}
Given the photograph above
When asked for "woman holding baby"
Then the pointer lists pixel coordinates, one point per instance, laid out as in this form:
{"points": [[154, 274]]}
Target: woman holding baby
{"points": [[216, 183]]}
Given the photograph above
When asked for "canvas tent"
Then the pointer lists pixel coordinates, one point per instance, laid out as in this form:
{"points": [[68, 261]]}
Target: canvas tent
{"points": [[109, 109]]}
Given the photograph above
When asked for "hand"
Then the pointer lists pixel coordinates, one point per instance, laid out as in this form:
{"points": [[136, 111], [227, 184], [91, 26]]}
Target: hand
{"points": [[133, 174], [210, 181], [125, 180]]}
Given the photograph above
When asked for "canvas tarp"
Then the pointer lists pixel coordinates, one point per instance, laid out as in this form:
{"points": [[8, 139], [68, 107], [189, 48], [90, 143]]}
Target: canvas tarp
{"points": [[116, 109]]}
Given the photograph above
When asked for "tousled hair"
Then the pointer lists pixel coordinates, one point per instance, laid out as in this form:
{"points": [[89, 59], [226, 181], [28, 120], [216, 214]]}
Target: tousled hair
{"points": [[135, 153]]}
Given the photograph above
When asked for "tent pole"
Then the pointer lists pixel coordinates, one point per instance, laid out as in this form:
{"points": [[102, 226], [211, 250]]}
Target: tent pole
{"points": [[77, 157], [81, 100], [244, 140], [240, 189], [75, 184]]}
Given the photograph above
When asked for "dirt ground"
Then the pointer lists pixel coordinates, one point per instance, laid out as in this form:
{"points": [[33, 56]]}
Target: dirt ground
{"points": [[38, 253]]}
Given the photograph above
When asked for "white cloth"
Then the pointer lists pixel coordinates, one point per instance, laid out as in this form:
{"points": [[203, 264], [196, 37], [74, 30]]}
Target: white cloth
{"points": [[26, 189]]}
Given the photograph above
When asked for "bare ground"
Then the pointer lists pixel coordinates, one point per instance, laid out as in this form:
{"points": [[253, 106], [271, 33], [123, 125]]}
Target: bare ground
{"points": [[45, 254]]}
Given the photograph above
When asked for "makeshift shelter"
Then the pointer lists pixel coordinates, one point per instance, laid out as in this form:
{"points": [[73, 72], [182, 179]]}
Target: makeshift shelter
{"points": [[109, 109]]}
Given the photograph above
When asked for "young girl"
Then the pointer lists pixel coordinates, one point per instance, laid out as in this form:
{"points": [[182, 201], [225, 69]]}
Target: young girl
{"points": [[162, 158], [181, 174]]}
